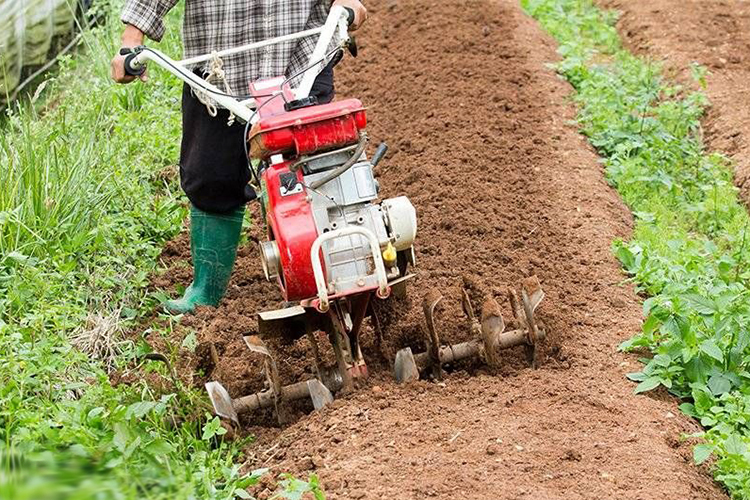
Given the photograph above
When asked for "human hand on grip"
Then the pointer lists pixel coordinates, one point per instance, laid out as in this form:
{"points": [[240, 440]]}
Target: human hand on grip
{"points": [[131, 37], [360, 12]]}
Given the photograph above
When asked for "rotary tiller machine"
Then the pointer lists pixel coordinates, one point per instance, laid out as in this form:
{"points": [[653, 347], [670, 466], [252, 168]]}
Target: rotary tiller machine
{"points": [[333, 248]]}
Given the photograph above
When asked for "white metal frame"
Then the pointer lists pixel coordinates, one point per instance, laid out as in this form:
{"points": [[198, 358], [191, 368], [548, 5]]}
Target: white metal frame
{"points": [[320, 280], [337, 20]]}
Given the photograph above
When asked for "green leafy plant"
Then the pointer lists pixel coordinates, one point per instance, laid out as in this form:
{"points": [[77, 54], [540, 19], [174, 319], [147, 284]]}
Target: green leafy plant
{"points": [[689, 250], [295, 489]]}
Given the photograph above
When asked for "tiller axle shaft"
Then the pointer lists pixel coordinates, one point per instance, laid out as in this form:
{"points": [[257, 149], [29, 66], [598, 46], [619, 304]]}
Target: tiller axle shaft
{"points": [[490, 333]]}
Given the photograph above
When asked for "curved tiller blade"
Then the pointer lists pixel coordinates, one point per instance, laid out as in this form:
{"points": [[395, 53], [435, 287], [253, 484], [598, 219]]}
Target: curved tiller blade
{"points": [[319, 393], [222, 403], [431, 299], [405, 367], [533, 290], [492, 327]]}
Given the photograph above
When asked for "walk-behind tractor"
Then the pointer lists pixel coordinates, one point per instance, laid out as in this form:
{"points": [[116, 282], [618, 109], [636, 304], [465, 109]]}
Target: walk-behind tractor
{"points": [[332, 247]]}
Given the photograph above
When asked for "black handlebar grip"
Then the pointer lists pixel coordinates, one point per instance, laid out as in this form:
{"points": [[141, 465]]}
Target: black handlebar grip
{"points": [[130, 69], [133, 70], [349, 15]]}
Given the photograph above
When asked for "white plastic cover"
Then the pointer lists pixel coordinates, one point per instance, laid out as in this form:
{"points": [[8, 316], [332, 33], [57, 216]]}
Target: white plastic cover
{"points": [[402, 221]]}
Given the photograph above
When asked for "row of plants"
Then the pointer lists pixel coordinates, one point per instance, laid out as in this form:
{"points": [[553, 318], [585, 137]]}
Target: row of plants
{"points": [[689, 253], [88, 199]]}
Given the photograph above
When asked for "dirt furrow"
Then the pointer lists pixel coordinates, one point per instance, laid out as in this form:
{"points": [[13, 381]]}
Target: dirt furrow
{"points": [[715, 34], [505, 187]]}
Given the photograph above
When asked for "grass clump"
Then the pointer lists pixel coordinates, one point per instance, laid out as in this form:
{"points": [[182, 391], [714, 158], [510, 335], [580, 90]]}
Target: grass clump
{"points": [[88, 198], [690, 249]]}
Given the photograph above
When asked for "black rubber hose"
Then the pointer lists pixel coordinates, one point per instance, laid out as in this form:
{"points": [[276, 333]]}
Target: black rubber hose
{"points": [[344, 167]]}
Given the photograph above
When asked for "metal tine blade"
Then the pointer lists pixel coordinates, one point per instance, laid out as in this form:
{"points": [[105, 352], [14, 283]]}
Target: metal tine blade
{"points": [[492, 326], [256, 344], [466, 304], [319, 393], [534, 291], [431, 300], [405, 368], [221, 401], [492, 318]]}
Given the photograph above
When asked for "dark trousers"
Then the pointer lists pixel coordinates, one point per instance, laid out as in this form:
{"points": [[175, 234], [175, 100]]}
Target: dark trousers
{"points": [[213, 168]]}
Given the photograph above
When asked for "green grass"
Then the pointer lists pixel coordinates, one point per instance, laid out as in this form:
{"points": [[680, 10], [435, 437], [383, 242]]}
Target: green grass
{"points": [[690, 251], [88, 198]]}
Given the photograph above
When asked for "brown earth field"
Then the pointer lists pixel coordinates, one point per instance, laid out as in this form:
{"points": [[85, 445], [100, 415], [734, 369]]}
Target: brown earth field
{"points": [[715, 34], [505, 188]]}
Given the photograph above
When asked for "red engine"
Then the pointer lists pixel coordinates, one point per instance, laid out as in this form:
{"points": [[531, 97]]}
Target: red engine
{"points": [[279, 139]]}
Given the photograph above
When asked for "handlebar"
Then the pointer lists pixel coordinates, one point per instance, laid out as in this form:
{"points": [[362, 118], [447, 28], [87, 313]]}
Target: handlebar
{"points": [[350, 17], [339, 18], [132, 66]]}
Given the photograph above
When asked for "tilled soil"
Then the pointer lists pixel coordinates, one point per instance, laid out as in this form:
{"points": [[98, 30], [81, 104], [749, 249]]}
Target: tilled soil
{"points": [[715, 34], [505, 188]]}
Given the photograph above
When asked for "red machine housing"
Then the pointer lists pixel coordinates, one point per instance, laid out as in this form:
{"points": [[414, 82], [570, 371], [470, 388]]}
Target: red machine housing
{"points": [[308, 130], [289, 217], [290, 223]]}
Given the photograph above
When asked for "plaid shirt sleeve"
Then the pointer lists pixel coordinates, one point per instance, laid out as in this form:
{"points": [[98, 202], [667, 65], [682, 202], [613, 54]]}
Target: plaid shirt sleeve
{"points": [[147, 16], [305, 47]]}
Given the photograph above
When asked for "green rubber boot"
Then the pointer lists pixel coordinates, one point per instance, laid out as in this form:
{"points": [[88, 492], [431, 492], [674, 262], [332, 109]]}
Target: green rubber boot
{"points": [[213, 245]]}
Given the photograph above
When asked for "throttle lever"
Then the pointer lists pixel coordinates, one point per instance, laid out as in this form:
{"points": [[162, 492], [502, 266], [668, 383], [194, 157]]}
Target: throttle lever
{"points": [[379, 154]]}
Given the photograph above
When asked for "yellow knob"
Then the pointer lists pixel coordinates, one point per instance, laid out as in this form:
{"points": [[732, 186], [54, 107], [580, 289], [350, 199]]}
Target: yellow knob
{"points": [[389, 255]]}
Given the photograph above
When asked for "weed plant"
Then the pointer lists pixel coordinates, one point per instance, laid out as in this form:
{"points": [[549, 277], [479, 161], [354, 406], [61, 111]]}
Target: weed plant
{"points": [[87, 199], [689, 251]]}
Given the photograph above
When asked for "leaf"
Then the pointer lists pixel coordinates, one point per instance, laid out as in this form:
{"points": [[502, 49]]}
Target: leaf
{"points": [[213, 428], [703, 400], [129, 313], [139, 409], [95, 412], [662, 360], [688, 409], [735, 445], [701, 453], [651, 324], [18, 257], [159, 447], [719, 384], [637, 376], [131, 448], [190, 342], [710, 348], [251, 479], [647, 217], [708, 421], [239, 492], [648, 384], [122, 436], [701, 304], [626, 257]]}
